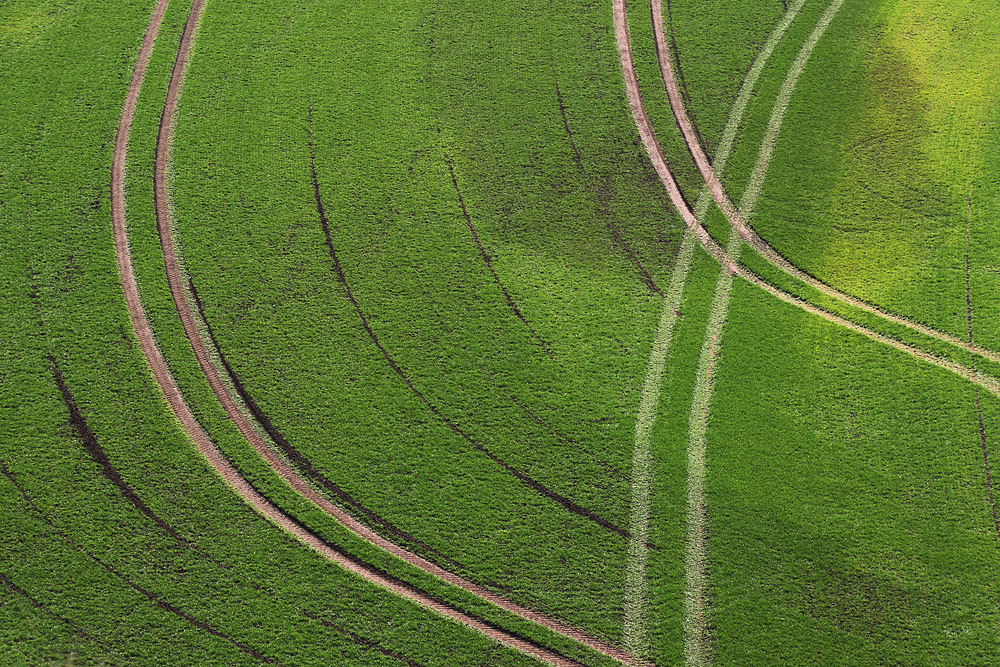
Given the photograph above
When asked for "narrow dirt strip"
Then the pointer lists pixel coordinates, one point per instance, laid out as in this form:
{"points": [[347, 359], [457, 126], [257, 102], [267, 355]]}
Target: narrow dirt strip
{"points": [[711, 246], [208, 449], [697, 637], [739, 222], [636, 584]]}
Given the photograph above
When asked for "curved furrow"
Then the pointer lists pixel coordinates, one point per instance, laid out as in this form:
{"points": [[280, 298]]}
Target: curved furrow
{"points": [[738, 221], [652, 145], [145, 592], [212, 454]]}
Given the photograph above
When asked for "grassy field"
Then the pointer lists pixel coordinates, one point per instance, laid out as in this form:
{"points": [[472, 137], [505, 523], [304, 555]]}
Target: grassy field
{"points": [[435, 266]]}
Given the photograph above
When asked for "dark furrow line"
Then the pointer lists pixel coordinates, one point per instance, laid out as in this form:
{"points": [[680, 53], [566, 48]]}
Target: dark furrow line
{"points": [[647, 277], [548, 427], [149, 595], [369, 643], [984, 448], [487, 260], [100, 457], [44, 608], [299, 459], [523, 477]]}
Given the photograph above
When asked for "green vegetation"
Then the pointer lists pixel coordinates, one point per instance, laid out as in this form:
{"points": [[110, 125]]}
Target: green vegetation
{"points": [[462, 350]]}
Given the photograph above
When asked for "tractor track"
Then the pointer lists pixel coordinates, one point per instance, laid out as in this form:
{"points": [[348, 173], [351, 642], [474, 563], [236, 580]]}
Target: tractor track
{"points": [[739, 223], [208, 449], [655, 152]]}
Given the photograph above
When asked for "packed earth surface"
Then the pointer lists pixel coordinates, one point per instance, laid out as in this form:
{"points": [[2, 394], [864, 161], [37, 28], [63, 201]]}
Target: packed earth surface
{"points": [[510, 333]]}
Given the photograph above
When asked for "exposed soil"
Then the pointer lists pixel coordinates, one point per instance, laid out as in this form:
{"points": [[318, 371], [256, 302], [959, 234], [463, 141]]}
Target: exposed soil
{"points": [[201, 440]]}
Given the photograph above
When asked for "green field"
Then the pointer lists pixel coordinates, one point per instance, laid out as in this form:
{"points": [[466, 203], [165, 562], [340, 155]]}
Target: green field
{"points": [[471, 393]]}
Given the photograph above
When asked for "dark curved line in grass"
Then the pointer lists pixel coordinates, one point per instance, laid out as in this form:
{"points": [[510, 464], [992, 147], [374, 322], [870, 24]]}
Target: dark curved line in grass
{"points": [[44, 608], [983, 445], [297, 457], [548, 427], [364, 641], [100, 457], [523, 477], [149, 595], [487, 260], [647, 277]]}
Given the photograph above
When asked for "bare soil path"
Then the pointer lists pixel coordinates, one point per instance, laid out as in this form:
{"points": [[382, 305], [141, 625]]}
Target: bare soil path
{"points": [[739, 222], [201, 440]]}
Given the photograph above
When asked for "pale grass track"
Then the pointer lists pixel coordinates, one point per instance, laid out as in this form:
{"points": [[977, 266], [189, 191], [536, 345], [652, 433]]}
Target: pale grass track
{"points": [[697, 638], [636, 583], [739, 222]]}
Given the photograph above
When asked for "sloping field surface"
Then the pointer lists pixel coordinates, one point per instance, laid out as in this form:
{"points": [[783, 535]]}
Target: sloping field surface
{"points": [[659, 332]]}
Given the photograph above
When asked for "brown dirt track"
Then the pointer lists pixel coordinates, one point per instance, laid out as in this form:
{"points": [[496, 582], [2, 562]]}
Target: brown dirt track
{"points": [[200, 438], [739, 223]]}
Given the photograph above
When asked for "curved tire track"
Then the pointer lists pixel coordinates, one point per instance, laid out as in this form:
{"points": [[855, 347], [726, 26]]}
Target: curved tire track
{"points": [[653, 148], [204, 444], [739, 222]]}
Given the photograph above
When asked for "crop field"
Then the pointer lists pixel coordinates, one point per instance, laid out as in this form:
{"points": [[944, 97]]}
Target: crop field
{"points": [[659, 333]]}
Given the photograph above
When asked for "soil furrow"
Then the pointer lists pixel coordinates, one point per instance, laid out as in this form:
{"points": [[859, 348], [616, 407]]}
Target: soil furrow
{"points": [[149, 595], [44, 608], [610, 217], [100, 457], [739, 222], [533, 416], [485, 256], [201, 440], [983, 445], [655, 152], [530, 482]]}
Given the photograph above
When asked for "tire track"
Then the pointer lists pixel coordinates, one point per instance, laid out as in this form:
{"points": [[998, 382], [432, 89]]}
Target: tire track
{"points": [[523, 477], [208, 449], [739, 222], [648, 137], [637, 588], [146, 593], [697, 629]]}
